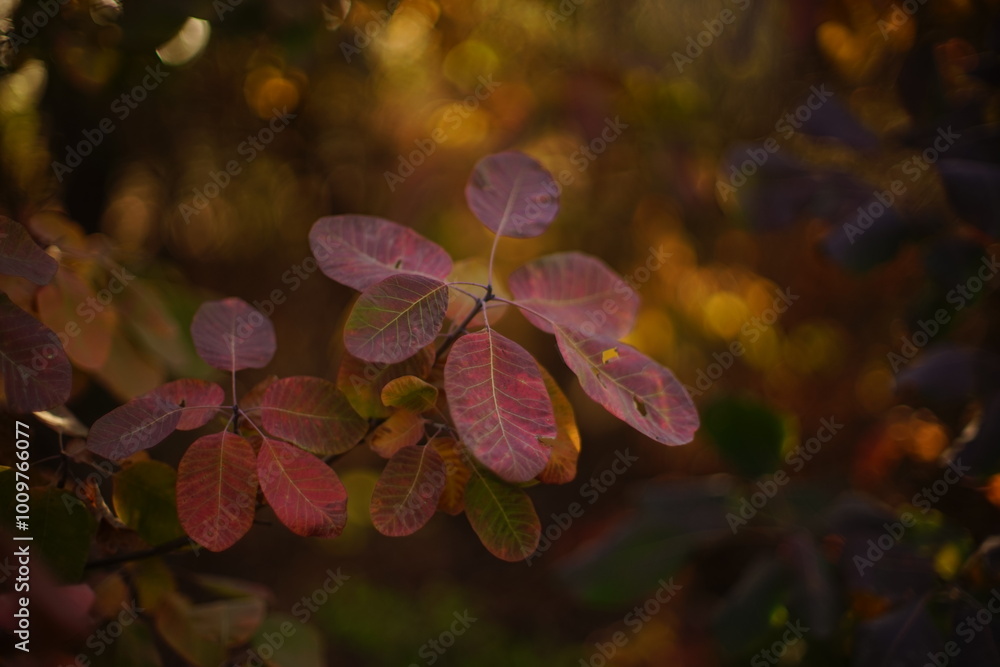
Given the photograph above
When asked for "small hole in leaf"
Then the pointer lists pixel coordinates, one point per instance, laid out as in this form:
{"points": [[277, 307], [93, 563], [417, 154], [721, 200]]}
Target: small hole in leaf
{"points": [[640, 406], [609, 354]]}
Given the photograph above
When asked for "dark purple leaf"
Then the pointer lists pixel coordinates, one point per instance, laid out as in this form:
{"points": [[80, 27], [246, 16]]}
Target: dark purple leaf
{"points": [[137, 425], [513, 195], [36, 372], [20, 256], [232, 335]]}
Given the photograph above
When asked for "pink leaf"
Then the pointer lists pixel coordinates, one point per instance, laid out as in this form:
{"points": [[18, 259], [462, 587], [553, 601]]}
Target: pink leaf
{"points": [[631, 386], [137, 425], [499, 404], [191, 393], [407, 493], [217, 490], [303, 492], [359, 251], [513, 195], [36, 372], [313, 414], [576, 291], [232, 335], [20, 256], [393, 319], [503, 517]]}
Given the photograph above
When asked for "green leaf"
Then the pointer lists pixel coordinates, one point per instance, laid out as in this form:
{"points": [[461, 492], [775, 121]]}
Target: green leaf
{"points": [[747, 432], [145, 499], [503, 517], [299, 645]]}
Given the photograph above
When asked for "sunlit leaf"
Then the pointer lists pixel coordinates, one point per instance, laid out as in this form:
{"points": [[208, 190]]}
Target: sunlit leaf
{"points": [[137, 425], [499, 404], [503, 517], [407, 493], [36, 372], [362, 381], [561, 467], [145, 499], [359, 251], [512, 194], [217, 490], [61, 420], [304, 493], [457, 474], [576, 291], [313, 414], [631, 386], [192, 393], [402, 429], [410, 392], [393, 319], [21, 256], [232, 335]]}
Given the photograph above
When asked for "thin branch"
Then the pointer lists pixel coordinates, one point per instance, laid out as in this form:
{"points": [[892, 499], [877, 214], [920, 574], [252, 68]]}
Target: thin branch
{"points": [[453, 336], [159, 550]]}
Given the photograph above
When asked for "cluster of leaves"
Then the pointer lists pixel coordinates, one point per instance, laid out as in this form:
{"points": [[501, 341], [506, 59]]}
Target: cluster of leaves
{"points": [[465, 416]]}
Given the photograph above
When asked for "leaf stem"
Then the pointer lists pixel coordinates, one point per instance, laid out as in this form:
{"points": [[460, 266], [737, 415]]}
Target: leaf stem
{"points": [[453, 336]]}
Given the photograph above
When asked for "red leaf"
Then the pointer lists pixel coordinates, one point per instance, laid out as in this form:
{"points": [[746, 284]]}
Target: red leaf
{"points": [[217, 490], [407, 493], [313, 414], [20, 256], [359, 251], [631, 386], [513, 195], [232, 335], [577, 291], [191, 394], [393, 319], [137, 425], [36, 372], [499, 404], [303, 492], [362, 381], [503, 517]]}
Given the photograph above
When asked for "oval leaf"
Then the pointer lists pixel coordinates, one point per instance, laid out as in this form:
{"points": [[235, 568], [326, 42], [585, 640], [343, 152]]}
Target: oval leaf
{"points": [[561, 467], [20, 256], [62, 302], [191, 394], [402, 429], [503, 517], [576, 291], [395, 318], [631, 386], [407, 493], [499, 404], [36, 371], [232, 335], [304, 492], [217, 490], [457, 474], [359, 251], [362, 381], [513, 195], [137, 425], [410, 392], [313, 414], [145, 499]]}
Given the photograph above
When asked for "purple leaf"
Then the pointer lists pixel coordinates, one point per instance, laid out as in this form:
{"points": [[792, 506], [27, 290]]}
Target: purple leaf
{"points": [[359, 251], [36, 372], [232, 335], [137, 425], [306, 495], [575, 291], [313, 414], [20, 256], [631, 386], [499, 404], [513, 195], [395, 318], [407, 493], [191, 393]]}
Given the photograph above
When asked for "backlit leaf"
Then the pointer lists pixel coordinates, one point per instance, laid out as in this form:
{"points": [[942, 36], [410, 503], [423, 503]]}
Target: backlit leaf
{"points": [[631, 386], [359, 251], [362, 381], [407, 493], [69, 304], [512, 194], [304, 492], [21, 256], [575, 291], [410, 392], [313, 414], [561, 467], [402, 429], [232, 335], [36, 372], [217, 490], [503, 517], [137, 425], [145, 499], [499, 404], [393, 319], [457, 474], [192, 393]]}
